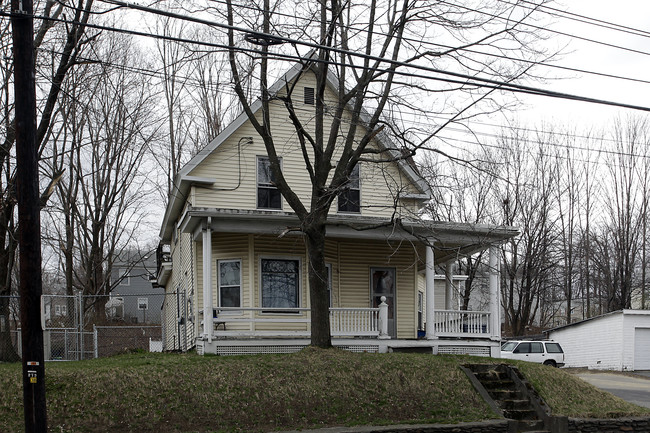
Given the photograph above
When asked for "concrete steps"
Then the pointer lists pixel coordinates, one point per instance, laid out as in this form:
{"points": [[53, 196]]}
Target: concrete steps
{"points": [[511, 399]]}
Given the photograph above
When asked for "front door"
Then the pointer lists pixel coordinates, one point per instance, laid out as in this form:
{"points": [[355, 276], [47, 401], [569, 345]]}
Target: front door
{"points": [[382, 283]]}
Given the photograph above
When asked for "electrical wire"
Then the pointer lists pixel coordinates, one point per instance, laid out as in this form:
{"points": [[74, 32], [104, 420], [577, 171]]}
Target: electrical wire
{"points": [[460, 79]]}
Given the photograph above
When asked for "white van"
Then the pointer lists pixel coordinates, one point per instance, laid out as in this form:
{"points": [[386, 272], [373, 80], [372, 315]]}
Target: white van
{"points": [[545, 352]]}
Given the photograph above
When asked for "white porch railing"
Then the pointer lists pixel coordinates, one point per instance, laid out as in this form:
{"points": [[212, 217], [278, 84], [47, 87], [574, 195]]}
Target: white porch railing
{"points": [[353, 322], [452, 323], [236, 322], [295, 322]]}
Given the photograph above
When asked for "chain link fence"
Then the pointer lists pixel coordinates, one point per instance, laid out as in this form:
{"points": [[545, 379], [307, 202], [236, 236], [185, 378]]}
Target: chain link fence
{"points": [[84, 327]]}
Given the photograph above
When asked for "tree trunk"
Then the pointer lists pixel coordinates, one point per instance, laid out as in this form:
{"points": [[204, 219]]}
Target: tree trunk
{"points": [[318, 284], [7, 350]]}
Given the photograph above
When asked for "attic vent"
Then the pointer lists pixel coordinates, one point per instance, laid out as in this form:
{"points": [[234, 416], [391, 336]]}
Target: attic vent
{"points": [[309, 95]]}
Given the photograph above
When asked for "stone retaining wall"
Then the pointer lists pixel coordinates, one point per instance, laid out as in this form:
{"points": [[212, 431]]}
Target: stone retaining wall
{"points": [[615, 425], [575, 425], [496, 426]]}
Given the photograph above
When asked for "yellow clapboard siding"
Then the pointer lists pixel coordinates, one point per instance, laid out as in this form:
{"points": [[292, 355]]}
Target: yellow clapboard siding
{"points": [[356, 260], [233, 164], [351, 262]]}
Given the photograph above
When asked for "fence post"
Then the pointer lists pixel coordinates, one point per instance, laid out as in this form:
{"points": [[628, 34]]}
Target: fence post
{"points": [[96, 351], [80, 356], [383, 319]]}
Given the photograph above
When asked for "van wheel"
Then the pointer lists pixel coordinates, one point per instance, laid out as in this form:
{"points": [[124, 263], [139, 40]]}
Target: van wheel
{"points": [[550, 362]]}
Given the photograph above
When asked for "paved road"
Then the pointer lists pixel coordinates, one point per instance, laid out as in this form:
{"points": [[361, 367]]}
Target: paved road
{"points": [[635, 389]]}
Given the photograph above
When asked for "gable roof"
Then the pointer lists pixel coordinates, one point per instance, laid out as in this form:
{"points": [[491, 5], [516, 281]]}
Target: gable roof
{"points": [[183, 181]]}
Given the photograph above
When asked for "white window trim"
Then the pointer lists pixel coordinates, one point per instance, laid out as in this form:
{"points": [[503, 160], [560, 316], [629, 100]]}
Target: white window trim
{"points": [[259, 267], [360, 198], [257, 185], [241, 289]]}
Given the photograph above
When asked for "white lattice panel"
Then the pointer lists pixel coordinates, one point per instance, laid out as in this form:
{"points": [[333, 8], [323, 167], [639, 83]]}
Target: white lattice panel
{"points": [[464, 350]]}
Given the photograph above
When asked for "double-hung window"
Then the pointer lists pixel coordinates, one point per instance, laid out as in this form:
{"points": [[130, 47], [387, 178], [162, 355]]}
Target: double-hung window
{"points": [[350, 197], [268, 195], [280, 281], [229, 283]]}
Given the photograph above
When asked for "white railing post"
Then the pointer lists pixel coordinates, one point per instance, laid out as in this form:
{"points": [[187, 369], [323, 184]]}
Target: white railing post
{"points": [[383, 319]]}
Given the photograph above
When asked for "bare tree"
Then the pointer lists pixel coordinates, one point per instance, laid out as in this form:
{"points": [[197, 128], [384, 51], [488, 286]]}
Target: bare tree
{"points": [[527, 188], [619, 239], [569, 200], [57, 51], [464, 191], [364, 48], [107, 128]]}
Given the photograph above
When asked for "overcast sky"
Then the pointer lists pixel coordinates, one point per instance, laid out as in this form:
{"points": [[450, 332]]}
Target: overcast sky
{"points": [[595, 57]]}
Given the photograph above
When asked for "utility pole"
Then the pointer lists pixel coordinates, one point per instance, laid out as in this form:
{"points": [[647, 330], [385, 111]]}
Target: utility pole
{"points": [[29, 223]]}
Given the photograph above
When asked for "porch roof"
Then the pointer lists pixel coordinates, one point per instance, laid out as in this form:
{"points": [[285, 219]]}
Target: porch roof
{"points": [[448, 238]]}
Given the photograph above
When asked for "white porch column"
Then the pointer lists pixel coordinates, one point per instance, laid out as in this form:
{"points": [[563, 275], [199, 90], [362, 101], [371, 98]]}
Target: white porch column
{"points": [[207, 281], [449, 285], [430, 278], [495, 306]]}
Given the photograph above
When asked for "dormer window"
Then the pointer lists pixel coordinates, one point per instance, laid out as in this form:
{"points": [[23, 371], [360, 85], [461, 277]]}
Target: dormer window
{"points": [[309, 96], [350, 197], [268, 195]]}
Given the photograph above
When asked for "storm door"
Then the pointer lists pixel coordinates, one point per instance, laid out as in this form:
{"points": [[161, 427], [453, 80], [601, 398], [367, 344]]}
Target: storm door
{"points": [[382, 283]]}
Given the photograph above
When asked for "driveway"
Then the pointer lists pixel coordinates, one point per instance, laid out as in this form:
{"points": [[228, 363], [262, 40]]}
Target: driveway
{"points": [[633, 388]]}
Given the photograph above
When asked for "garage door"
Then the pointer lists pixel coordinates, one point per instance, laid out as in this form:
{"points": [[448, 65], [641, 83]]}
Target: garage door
{"points": [[642, 349]]}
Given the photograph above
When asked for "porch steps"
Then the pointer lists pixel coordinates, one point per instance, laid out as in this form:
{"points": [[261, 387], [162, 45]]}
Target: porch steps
{"points": [[503, 389]]}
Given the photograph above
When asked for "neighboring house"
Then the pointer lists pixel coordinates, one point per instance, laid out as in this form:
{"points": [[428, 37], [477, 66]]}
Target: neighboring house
{"points": [[614, 341], [226, 254], [133, 299], [54, 304]]}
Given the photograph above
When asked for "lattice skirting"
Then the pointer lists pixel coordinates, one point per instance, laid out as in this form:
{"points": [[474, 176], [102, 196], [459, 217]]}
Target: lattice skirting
{"points": [[464, 350], [360, 349], [255, 350], [273, 348]]}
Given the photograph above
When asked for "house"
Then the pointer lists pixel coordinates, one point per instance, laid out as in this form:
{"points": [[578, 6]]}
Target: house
{"points": [[133, 299], [236, 278], [619, 340]]}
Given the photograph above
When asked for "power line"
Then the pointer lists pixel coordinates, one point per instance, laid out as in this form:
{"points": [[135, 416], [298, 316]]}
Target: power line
{"points": [[460, 78], [473, 51], [219, 45], [545, 29], [227, 91], [583, 18]]}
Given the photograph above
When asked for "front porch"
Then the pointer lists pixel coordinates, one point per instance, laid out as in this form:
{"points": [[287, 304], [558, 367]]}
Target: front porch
{"points": [[267, 330], [252, 286]]}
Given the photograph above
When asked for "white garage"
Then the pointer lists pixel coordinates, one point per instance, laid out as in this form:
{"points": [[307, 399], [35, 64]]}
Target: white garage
{"points": [[615, 341]]}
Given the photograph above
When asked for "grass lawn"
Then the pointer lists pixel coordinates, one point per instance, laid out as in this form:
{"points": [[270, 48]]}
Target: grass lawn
{"points": [[147, 392]]}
